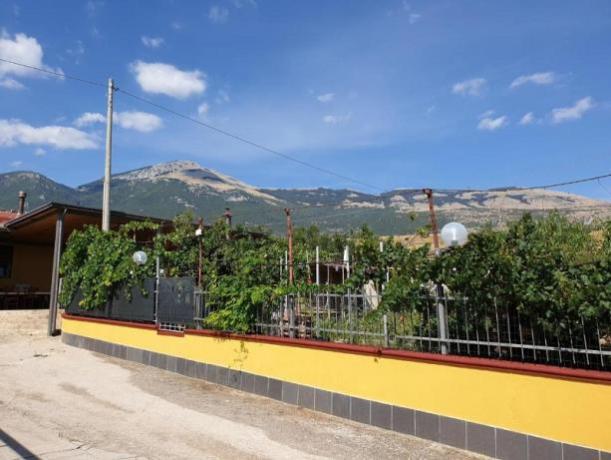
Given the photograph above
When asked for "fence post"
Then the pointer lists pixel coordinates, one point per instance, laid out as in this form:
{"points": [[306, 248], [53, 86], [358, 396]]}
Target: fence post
{"points": [[156, 306], [317, 266], [442, 320], [350, 333], [386, 339], [292, 317]]}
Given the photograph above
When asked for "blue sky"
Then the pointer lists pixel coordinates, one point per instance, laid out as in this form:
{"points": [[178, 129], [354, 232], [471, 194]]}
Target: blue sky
{"points": [[446, 94]]}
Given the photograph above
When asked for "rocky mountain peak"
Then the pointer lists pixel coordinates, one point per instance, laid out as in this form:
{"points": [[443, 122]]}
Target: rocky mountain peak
{"points": [[160, 170], [198, 179]]}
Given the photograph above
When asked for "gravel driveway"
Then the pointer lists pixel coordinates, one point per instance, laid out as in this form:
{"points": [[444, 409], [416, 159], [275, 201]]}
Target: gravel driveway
{"points": [[59, 402]]}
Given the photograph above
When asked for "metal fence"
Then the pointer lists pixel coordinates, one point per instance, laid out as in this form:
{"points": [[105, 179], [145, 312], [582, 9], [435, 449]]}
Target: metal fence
{"points": [[494, 331], [173, 303]]}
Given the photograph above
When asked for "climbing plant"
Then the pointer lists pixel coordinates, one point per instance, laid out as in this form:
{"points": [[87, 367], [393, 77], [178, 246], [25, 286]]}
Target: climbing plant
{"points": [[544, 268]]}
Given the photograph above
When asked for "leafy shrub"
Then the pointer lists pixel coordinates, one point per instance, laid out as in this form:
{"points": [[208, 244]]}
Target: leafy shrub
{"points": [[546, 269]]}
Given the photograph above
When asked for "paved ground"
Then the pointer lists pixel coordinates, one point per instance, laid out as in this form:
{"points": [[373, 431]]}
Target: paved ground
{"points": [[60, 402]]}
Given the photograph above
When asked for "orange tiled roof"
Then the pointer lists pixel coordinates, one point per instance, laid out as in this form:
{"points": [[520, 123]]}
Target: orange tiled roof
{"points": [[5, 216]]}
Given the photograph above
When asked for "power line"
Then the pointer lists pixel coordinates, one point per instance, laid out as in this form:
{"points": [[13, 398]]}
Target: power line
{"points": [[251, 143], [267, 149], [206, 125], [571, 182], [55, 74], [603, 187]]}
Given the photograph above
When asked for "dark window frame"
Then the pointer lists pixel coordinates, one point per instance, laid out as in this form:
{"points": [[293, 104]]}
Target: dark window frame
{"points": [[6, 261]]}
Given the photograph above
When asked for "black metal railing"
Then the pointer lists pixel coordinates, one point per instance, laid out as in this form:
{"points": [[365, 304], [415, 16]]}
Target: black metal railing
{"points": [[494, 331]]}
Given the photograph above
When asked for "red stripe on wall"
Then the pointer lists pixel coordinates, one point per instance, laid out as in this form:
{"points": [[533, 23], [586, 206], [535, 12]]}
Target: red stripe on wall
{"points": [[482, 363]]}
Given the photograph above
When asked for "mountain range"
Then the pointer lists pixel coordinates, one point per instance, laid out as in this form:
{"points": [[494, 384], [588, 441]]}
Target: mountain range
{"points": [[166, 189]]}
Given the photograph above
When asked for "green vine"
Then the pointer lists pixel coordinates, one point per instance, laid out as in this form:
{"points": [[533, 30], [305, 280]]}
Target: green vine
{"points": [[546, 269]]}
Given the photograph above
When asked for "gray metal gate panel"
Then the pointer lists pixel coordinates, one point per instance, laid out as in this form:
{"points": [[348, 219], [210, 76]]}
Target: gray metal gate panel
{"points": [[141, 307], [74, 308], [176, 300]]}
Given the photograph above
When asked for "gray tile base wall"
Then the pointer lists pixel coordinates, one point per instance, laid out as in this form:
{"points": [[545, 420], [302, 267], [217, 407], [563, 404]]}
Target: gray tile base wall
{"points": [[487, 440]]}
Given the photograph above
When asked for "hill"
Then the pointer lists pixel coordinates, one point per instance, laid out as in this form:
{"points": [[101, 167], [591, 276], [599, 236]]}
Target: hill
{"points": [[166, 189]]}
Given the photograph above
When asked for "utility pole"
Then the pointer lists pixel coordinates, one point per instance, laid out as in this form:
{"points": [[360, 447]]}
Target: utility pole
{"points": [[57, 253], [442, 320], [228, 215], [429, 194], [107, 165], [289, 235]]}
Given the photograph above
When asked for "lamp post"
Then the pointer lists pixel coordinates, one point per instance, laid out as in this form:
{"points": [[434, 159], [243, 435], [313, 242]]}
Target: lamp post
{"points": [[199, 292], [198, 234], [452, 234]]}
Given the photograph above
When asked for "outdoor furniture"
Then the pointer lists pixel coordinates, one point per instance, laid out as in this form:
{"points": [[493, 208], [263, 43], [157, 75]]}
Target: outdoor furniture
{"points": [[14, 300]]}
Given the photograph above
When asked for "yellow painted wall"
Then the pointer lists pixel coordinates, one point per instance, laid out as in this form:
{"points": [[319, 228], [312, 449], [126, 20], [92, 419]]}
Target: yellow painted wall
{"points": [[571, 411], [32, 264]]}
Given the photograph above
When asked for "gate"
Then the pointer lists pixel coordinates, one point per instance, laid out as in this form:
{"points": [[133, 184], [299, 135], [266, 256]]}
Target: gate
{"points": [[176, 303]]}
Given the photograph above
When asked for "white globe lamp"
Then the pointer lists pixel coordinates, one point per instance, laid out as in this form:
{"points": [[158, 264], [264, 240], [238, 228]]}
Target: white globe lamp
{"points": [[139, 257], [454, 234]]}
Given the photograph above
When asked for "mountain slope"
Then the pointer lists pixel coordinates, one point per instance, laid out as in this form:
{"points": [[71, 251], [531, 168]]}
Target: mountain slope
{"points": [[167, 189], [199, 181], [40, 190]]}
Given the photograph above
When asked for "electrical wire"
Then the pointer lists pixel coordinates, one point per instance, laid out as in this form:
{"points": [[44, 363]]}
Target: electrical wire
{"points": [[603, 187], [251, 143], [571, 182], [267, 149], [201, 123], [55, 74]]}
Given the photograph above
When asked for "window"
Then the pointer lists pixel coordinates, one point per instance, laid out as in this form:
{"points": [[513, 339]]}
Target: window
{"points": [[6, 261]]}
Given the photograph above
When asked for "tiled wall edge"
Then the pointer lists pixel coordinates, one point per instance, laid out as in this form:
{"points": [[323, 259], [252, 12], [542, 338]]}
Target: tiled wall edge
{"points": [[482, 439]]}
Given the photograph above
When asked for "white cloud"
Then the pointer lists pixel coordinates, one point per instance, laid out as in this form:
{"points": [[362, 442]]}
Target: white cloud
{"points": [[414, 18], [176, 25], [160, 78], [152, 42], [472, 87], [203, 109], [486, 114], [95, 32], [562, 114], [241, 3], [40, 152], [77, 51], [92, 7], [492, 124], [541, 78], [218, 14], [22, 49], [336, 119], [15, 132], [16, 164], [527, 119], [10, 83], [138, 121], [89, 118], [327, 97], [223, 97]]}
